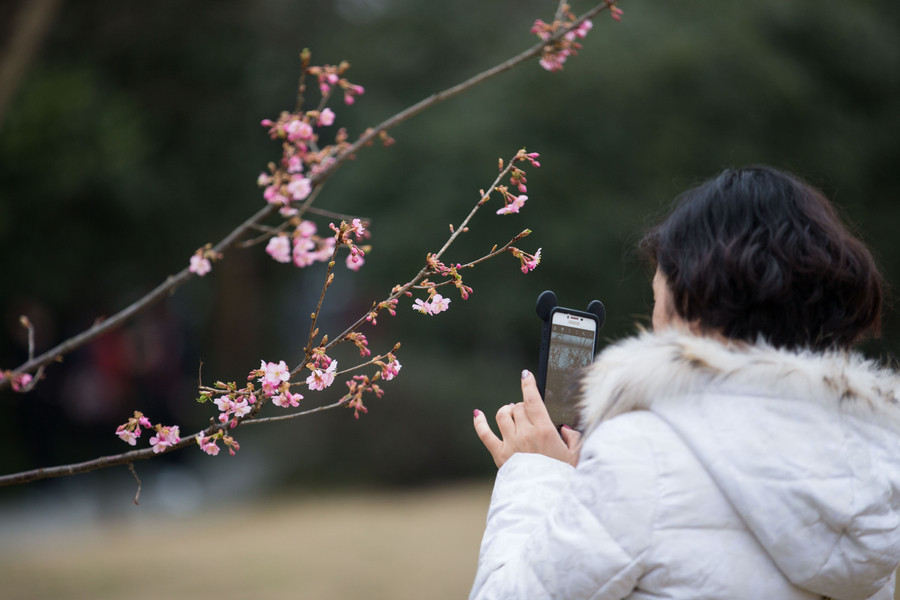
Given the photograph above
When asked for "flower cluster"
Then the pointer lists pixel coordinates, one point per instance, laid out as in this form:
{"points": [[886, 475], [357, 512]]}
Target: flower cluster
{"points": [[360, 341], [555, 53], [347, 235], [275, 380], [389, 369], [512, 202], [303, 247], [302, 158], [389, 305], [434, 305], [232, 408], [529, 262], [209, 443], [330, 76], [357, 386], [321, 378], [166, 436], [130, 431]]}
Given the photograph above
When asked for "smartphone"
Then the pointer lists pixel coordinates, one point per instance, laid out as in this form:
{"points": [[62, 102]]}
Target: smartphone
{"points": [[569, 348]]}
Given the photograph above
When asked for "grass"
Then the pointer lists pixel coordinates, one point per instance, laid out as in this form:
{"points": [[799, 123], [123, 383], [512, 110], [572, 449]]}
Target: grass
{"points": [[370, 545]]}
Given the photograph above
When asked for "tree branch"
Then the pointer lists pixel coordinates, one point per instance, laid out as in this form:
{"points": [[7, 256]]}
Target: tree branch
{"points": [[173, 281]]}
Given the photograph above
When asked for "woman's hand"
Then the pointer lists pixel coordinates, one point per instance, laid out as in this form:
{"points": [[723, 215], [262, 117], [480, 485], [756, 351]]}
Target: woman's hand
{"points": [[526, 427]]}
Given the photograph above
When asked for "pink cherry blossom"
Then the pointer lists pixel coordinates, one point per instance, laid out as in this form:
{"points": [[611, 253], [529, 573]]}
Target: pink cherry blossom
{"points": [[294, 164], [358, 228], [319, 379], [199, 265], [270, 194], [298, 130], [127, 435], [306, 229], [276, 373], [264, 179], [532, 263], [422, 306], [164, 438], [439, 304], [279, 248], [224, 404], [585, 26], [391, 370], [241, 408], [302, 253], [208, 444], [326, 117], [287, 399], [270, 388], [355, 261], [21, 381], [541, 29], [299, 187], [514, 206]]}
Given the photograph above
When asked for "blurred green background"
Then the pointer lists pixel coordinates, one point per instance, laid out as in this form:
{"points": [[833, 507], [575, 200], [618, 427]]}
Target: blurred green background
{"points": [[132, 138]]}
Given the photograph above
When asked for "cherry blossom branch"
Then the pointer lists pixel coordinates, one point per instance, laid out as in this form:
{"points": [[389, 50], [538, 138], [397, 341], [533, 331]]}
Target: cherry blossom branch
{"points": [[342, 235], [174, 281], [102, 462], [426, 270], [314, 317], [241, 405]]}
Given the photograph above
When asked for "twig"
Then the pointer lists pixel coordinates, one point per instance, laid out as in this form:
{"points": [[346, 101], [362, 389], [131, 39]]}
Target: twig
{"points": [[310, 411], [267, 233], [336, 215], [89, 465], [329, 277], [137, 494], [26, 323]]}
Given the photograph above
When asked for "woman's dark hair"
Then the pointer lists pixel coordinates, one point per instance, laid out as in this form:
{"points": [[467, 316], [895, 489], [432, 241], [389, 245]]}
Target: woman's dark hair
{"points": [[755, 252]]}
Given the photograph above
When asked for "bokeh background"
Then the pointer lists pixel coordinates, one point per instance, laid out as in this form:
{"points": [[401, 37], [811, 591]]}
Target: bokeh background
{"points": [[129, 137]]}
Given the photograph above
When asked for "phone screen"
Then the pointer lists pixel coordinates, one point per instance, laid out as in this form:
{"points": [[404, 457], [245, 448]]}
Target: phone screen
{"points": [[571, 349]]}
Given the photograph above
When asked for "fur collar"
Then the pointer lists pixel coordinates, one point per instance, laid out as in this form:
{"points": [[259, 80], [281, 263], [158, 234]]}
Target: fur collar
{"points": [[633, 373]]}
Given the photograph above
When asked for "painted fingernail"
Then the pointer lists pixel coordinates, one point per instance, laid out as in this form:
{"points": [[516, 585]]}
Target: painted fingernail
{"points": [[525, 373], [476, 413], [567, 427]]}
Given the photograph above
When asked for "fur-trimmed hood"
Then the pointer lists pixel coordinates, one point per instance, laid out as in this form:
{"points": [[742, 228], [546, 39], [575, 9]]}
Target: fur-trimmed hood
{"points": [[634, 372], [804, 445]]}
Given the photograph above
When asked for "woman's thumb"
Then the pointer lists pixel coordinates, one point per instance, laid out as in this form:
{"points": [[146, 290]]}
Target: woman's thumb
{"points": [[571, 437]]}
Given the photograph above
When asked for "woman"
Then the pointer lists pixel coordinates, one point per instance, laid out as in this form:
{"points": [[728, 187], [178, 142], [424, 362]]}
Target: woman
{"points": [[737, 451]]}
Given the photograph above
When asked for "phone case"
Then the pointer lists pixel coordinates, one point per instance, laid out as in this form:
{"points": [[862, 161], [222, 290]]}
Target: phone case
{"points": [[547, 305]]}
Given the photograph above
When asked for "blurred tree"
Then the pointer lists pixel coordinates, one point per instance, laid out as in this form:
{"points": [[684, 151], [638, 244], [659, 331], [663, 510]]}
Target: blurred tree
{"points": [[134, 139]]}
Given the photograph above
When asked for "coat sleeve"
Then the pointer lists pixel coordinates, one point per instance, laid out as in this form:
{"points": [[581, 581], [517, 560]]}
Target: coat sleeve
{"points": [[887, 592], [554, 531]]}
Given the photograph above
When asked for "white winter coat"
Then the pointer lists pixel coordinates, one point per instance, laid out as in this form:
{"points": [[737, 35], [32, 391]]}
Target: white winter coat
{"points": [[708, 471]]}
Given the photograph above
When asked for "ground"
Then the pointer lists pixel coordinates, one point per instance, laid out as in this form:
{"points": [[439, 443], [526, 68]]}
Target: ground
{"points": [[372, 545]]}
